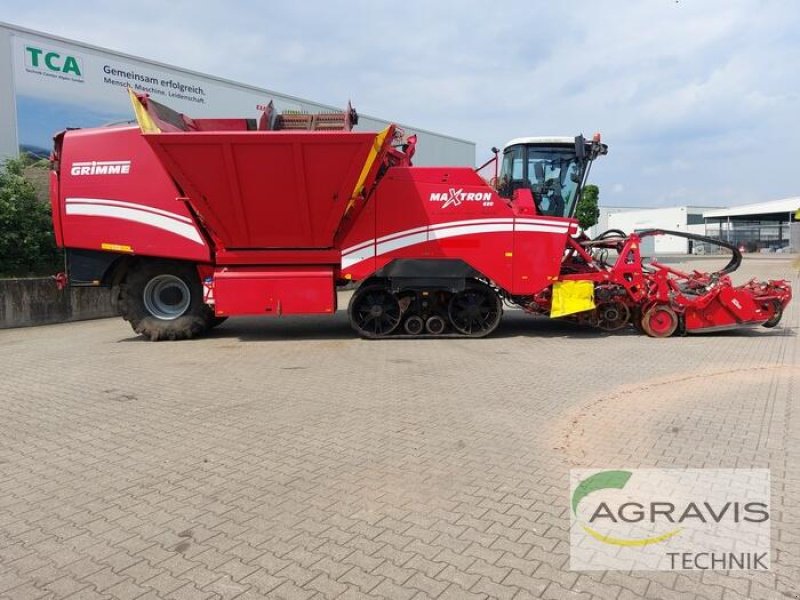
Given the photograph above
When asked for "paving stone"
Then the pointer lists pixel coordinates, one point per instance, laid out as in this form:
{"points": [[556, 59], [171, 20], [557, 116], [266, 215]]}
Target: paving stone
{"points": [[391, 591], [364, 581], [494, 590], [226, 588], [288, 458], [127, 590]]}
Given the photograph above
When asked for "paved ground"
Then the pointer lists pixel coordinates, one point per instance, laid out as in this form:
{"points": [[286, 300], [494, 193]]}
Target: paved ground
{"points": [[288, 459]]}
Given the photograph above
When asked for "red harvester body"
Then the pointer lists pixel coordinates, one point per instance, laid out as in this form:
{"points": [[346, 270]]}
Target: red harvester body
{"points": [[191, 221]]}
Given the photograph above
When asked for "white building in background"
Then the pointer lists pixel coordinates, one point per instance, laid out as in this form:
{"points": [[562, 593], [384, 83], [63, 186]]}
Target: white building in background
{"points": [[602, 219], [686, 219], [48, 83], [764, 226], [761, 227]]}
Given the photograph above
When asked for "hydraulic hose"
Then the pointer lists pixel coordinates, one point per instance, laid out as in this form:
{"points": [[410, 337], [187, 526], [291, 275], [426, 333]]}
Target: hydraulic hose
{"points": [[605, 234], [736, 259]]}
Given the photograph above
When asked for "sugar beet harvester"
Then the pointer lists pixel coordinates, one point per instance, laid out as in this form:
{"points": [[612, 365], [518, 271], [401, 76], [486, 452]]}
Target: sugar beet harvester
{"points": [[190, 221]]}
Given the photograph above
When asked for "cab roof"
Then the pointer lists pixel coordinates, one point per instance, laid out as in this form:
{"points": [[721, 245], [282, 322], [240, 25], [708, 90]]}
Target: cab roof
{"points": [[544, 140]]}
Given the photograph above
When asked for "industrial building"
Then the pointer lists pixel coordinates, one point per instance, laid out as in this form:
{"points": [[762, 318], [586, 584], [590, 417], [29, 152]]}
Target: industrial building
{"points": [[772, 226], [762, 227], [602, 218], [688, 219], [48, 83]]}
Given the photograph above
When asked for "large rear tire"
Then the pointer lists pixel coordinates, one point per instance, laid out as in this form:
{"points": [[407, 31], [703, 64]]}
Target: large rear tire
{"points": [[164, 301]]}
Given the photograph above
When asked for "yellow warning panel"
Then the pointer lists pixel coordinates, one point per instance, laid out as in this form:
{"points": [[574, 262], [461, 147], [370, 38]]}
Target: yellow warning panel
{"points": [[570, 297]]}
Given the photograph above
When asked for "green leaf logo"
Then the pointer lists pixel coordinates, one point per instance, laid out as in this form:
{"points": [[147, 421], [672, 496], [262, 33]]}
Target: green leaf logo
{"points": [[611, 480], [599, 481]]}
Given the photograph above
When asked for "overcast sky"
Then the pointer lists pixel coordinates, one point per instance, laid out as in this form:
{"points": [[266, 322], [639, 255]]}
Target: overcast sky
{"points": [[699, 100]]}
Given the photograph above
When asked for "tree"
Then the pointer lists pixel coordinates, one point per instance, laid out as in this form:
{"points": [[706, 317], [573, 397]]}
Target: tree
{"points": [[588, 211], [27, 244]]}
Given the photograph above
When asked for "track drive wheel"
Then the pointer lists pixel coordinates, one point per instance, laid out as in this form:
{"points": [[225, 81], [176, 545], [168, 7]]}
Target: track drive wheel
{"points": [[374, 312], [613, 316], [660, 321], [776, 316], [475, 311], [164, 301]]}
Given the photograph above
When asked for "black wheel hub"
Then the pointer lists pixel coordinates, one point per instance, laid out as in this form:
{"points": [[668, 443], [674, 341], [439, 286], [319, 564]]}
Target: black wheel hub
{"points": [[475, 311], [374, 312]]}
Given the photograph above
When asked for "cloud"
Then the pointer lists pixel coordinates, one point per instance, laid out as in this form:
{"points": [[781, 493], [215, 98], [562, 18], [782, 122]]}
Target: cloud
{"points": [[697, 100]]}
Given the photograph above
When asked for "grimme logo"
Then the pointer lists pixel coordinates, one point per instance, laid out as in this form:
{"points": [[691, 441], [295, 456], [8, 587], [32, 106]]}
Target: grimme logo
{"points": [[670, 519], [101, 167], [455, 197], [54, 63]]}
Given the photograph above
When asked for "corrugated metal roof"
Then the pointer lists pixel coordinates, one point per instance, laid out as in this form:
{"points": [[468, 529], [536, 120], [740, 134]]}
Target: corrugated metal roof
{"points": [[786, 205]]}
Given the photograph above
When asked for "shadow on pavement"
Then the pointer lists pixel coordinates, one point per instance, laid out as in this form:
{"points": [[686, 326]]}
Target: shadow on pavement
{"points": [[514, 324]]}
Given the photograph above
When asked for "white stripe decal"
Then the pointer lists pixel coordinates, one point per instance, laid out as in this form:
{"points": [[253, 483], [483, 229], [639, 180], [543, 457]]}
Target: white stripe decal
{"points": [[544, 221], [397, 234], [441, 234], [401, 242], [472, 222], [357, 256], [358, 247], [418, 235], [185, 230], [542, 228], [131, 205]]}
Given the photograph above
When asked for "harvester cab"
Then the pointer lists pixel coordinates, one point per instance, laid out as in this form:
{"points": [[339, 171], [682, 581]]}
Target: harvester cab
{"points": [[552, 169]]}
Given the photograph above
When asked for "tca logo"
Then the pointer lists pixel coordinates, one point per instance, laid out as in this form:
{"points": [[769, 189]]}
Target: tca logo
{"points": [[39, 58]]}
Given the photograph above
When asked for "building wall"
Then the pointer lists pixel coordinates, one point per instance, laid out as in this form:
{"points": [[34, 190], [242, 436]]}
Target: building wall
{"points": [[602, 219], [675, 218], [85, 86], [761, 226], [8, 109]]}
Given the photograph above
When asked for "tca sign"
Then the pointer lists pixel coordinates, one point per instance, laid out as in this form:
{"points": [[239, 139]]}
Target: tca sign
{"points": [[50, 62]]}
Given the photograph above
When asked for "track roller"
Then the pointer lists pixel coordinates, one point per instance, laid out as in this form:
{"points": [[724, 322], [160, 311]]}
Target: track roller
{"points": [[435, 325], [414, 325]]}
